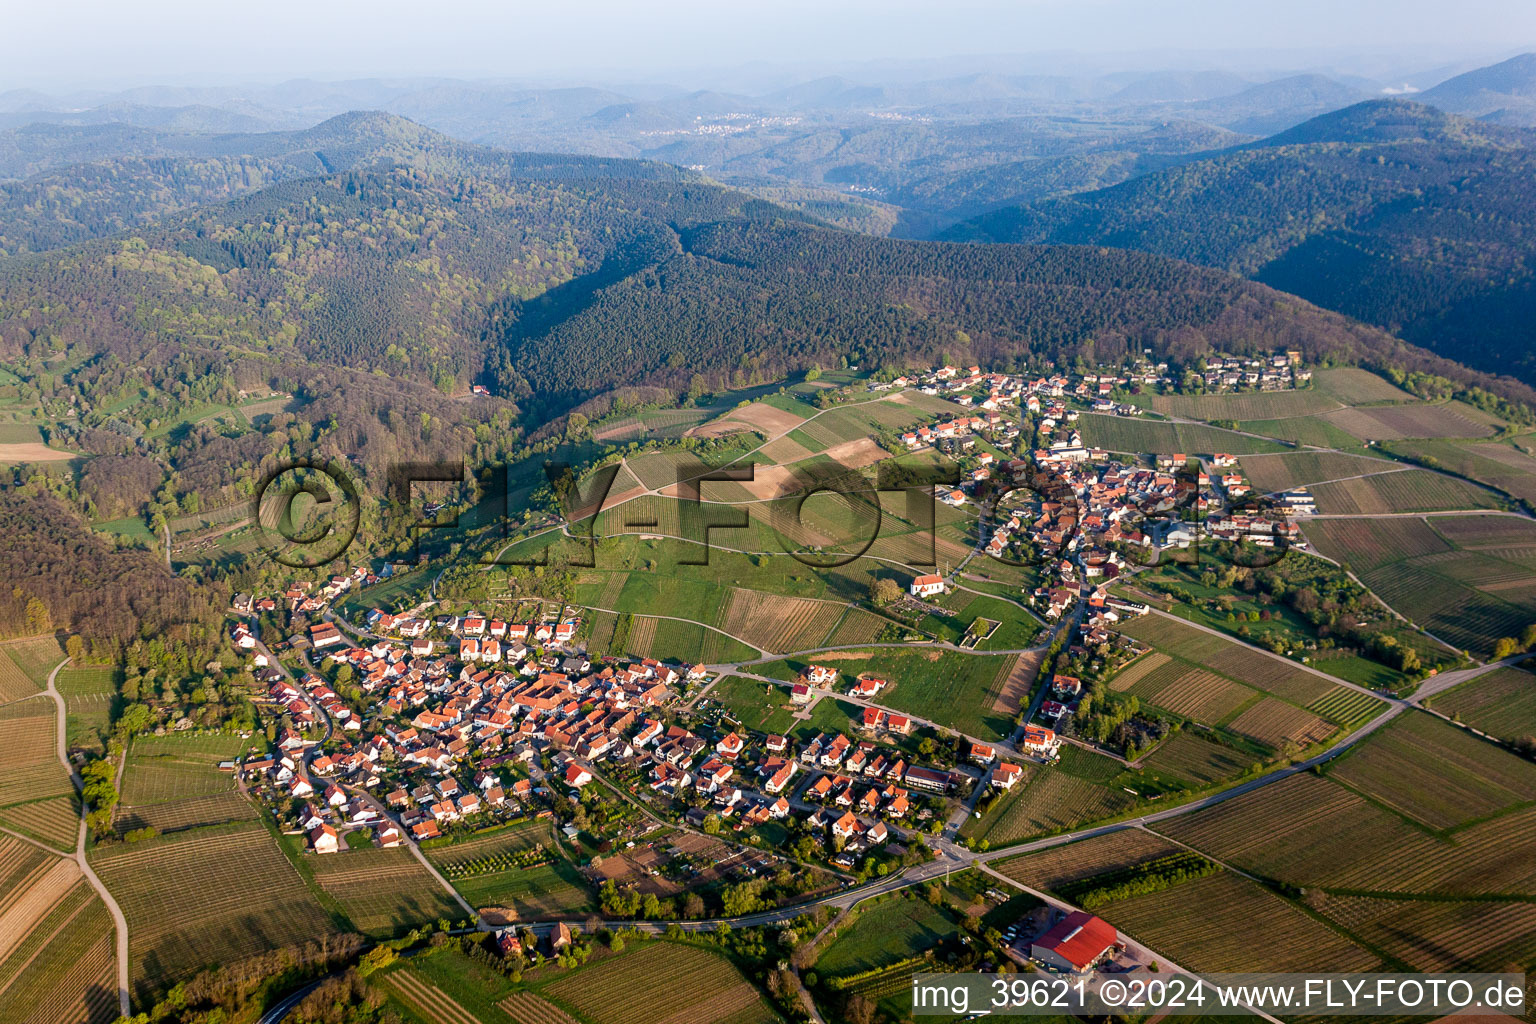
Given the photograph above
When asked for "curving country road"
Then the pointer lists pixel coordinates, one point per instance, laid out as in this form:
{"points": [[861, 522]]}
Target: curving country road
{"points": [[120, 923]]}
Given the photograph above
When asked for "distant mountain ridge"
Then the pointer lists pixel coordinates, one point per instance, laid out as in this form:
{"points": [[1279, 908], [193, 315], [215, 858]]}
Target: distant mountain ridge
{"points": [[81, 193], [1503, 92], [1394, 212]]}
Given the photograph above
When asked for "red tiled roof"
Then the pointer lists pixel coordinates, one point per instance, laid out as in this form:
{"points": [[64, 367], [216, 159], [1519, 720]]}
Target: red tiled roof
{"points": [[1080, 938]]}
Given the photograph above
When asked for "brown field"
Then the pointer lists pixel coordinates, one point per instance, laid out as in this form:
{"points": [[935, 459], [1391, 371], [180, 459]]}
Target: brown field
{"points": [[765, 417], [1021, 679], [1138, 670], [1368, 543], [1391, 423], [1224, 922], [1438, 935], [32, 451], [856, 454], [527, 1008], [1273, 722], [1412, 490], [1301, 469], [1202, 696], [1086, 858]]}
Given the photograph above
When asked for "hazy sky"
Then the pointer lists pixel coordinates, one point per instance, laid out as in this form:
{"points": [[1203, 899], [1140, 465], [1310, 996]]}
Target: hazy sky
{"points": [[65, 43]]}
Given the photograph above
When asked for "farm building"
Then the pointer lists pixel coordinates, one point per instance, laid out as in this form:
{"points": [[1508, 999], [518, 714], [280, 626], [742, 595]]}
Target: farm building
{"points": [[1075, 943]]}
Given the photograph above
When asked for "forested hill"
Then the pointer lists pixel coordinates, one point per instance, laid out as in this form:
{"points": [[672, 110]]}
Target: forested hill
{"points": [[558, 290], [740, 297], [1392, 212], [77, 183]]}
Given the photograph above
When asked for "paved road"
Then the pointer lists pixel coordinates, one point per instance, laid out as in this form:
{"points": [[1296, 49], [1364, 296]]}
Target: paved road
{"points": [[120, 923]]}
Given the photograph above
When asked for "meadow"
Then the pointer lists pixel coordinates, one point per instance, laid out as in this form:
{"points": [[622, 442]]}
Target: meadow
{"points": [[952, 689], [888, 932]]}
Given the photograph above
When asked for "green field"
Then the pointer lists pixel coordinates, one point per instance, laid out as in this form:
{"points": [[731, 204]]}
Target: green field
{"points": [[892, 930], [951, 689], [1126, 434]]}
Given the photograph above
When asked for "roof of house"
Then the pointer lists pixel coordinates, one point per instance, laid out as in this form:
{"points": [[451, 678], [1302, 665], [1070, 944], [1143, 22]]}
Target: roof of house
{"points": [[1080, 938]]}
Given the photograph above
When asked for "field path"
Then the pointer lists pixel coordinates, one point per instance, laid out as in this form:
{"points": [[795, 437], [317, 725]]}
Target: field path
{"points": [[119, 922]]}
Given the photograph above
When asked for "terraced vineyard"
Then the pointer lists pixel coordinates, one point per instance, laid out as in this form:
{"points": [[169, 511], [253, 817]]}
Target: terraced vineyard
{"points": [[1466, 779], [702, 988], [212, 895], [1085, 858], [1412, 490], [1217, 922], [1501, 703], [385, 892], [1300, 469], [1310, 831]]}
